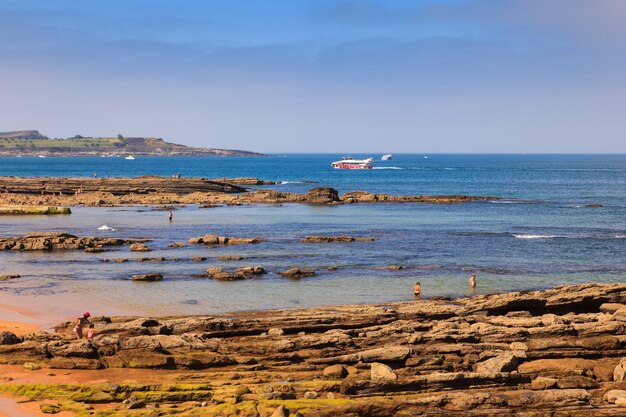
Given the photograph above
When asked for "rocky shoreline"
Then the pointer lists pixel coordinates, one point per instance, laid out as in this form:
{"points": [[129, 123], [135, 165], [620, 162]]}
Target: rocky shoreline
{"points": [[171, 191], [558, 352]]}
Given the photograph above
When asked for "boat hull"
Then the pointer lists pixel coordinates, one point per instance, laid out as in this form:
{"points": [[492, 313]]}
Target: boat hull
{"points": [[351, 166]]}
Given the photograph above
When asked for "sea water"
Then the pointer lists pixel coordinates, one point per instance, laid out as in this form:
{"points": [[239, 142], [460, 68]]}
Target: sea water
{"points": [[542, 233]]}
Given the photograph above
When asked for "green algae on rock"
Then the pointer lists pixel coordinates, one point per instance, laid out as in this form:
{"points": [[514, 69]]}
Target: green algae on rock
{"points": [[19, 210]]}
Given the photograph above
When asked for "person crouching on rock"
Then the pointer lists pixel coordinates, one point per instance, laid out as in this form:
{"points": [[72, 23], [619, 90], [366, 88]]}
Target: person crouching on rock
{"points": [[417, 290], [80, 323]]}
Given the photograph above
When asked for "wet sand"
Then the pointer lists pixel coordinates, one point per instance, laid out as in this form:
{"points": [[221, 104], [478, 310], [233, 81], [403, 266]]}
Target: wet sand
{"points": [[9, 407], [19, 321]]}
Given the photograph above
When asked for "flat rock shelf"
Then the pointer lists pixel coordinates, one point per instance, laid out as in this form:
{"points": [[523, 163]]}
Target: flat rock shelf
{"points": [[558, 352]]}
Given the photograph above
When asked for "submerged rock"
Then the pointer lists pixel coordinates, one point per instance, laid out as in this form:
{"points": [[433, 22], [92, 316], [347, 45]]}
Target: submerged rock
{"points": [[238, 274], [297, 273], [330, 239], [8, 277], [139, 247], [57, 241], [148, 277], [221, 240]]}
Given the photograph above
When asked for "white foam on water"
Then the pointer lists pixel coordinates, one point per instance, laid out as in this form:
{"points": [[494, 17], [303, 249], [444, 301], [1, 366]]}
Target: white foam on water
{"points": [[387, 168], [107, 228], [530, 236], [586, 236]]}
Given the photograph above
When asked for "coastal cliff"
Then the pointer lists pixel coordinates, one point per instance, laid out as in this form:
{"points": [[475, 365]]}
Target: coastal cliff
{"points": [[558, 352]]}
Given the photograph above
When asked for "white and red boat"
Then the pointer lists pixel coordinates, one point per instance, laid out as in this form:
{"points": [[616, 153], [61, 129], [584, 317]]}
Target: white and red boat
{"points": [[351, 163]]}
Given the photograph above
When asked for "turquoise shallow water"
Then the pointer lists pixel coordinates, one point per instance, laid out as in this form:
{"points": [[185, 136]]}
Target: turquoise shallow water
{"points": [[540, 236]]}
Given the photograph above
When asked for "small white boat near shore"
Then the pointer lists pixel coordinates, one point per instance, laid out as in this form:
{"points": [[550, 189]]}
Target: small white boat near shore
{"points": [[41, 156], [130, 158]]}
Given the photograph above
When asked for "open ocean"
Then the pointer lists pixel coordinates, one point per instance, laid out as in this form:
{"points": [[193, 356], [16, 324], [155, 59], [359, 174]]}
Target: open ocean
{"points": [[541, 234]]}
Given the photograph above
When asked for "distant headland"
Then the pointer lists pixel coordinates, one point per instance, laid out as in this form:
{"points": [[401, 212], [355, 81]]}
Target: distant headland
{"points": [[31, 142]]}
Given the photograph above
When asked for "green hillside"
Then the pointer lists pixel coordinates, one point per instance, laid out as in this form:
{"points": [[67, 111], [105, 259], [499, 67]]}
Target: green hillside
{"points": [[73, 143], [31, 142]]}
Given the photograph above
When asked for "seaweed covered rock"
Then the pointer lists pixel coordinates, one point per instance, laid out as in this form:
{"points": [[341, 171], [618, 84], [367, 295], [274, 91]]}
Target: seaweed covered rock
{"points": [[297, 273]]}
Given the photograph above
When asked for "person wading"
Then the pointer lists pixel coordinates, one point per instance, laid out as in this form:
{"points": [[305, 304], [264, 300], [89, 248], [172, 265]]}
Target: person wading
{"points": [[472, 281], [417, 290]]}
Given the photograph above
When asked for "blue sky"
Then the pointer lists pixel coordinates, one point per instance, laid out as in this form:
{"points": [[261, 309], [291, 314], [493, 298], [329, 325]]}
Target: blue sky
{"points": [[321, 76]]}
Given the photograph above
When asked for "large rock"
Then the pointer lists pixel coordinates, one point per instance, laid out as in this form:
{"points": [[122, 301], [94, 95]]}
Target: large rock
{"points": [[557, 367], [577, 381], [322, 195], [505, 362], [74, 349], [8, 338], [379, 372], [620, 370], [385, 354], [280, 392], [615, 394], [542, 383], [280, 411], [552, 399], [336, 371]]}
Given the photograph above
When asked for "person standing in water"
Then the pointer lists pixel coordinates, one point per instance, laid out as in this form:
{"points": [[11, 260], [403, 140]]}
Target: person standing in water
{"points": [[417, 290], [80, 323], [170, 216], [472, 282]]}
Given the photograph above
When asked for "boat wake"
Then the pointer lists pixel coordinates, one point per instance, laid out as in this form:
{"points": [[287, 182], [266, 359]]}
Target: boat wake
{"points": [[296, 182], [607, 235], [387, 168]]}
